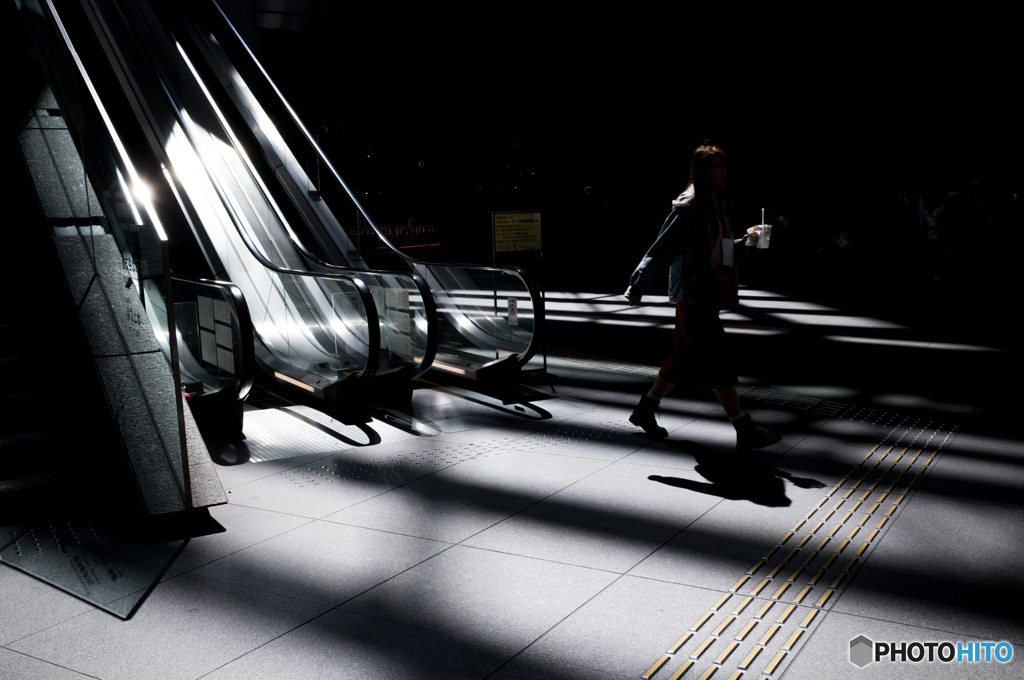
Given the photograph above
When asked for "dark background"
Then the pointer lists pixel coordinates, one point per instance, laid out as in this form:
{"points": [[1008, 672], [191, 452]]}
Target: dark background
{"points": [[524, 108]]}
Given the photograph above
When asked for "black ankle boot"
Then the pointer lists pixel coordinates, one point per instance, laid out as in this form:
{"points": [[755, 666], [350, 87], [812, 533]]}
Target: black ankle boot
{"points": [[750, 436], [643, 417]]}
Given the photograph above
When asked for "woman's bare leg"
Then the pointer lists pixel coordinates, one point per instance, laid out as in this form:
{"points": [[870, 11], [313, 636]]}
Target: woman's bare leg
{"points": [[730, 401], [661, 388]]}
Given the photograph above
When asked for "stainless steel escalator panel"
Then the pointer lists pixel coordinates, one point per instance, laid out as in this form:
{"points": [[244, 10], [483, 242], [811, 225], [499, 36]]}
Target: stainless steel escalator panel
{"points": [[473, 301]]}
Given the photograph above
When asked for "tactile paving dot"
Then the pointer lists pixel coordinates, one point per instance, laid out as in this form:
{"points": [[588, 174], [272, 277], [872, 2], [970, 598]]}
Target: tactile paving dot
{"points": [[431, 456], [562, 435], [804, 580]]}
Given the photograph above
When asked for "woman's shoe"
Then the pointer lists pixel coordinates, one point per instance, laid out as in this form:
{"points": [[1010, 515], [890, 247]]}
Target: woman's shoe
{"points": [[750, 436], [643, 417]]}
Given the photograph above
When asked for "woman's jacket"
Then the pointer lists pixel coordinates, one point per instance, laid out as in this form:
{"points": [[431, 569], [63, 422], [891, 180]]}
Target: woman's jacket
{"points": [[684, 246]]}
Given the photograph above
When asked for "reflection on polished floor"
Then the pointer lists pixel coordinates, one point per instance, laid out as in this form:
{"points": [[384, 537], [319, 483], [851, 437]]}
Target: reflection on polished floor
{"points": [[558, 542]]}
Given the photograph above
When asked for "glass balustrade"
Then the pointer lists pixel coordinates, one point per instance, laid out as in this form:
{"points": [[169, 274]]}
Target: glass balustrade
{"points": [[308, 311], [485, 313]]}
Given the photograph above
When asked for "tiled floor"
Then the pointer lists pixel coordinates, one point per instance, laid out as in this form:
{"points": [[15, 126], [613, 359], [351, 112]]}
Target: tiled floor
{"points": [[572, 547]]}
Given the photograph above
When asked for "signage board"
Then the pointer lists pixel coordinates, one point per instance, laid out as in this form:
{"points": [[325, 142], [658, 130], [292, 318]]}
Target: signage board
{"points": [[516, 231]]}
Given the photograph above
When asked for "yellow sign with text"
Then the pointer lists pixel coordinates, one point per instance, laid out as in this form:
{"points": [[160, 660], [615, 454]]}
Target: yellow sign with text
{"points": [[516, 231]]}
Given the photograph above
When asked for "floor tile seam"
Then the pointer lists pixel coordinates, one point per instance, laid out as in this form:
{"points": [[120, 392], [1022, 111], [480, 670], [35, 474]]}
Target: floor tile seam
{"points": [[325, 518], [654, 465], [339, 606], [990, 458], [541, 559], [93, 608], [51, 663], [387, 491], [673, 536], [361, 593], [555, 625], [286, 514], [785, 619], [913, 625], [778, 626], [584, 663], [538, 501], [865, 560], [944, 498], [847, 404], [788, 660], [624, 435], [818, 623], [716, 591], [566, 455], [235, 552], [664, 467], [407, 624], [265, 643], [313, 462], [807, 433], [235, 584], [386, 531], [902, 508]]}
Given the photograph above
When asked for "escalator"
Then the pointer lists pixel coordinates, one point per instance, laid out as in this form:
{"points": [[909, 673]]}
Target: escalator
{"points": [[344, 338], [490, 319]]}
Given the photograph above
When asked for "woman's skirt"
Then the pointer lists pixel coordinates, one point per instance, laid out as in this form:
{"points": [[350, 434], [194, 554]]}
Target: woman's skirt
{"points": [[700, 350]]}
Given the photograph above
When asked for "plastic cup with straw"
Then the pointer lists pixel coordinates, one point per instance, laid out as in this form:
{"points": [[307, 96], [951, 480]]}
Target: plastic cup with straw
{"points": [[764, 231]]}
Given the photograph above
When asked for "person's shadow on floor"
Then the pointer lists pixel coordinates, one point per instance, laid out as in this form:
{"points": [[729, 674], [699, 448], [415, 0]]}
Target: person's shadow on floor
{"points": [[735, 477]]}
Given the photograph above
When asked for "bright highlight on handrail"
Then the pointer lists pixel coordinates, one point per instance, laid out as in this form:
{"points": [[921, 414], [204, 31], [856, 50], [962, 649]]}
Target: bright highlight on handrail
{"points": [[122, 152]]}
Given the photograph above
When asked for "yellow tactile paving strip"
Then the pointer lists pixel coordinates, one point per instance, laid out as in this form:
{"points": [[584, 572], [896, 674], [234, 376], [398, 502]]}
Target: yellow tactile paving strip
{"points": [[810, 573]]}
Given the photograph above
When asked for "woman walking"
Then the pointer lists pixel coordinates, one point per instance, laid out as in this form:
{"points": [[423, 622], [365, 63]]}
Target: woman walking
{"points": [[696, 244]]}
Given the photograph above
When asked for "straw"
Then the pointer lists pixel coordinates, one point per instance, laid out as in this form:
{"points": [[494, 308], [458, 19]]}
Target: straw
{"points": [[762, 215]]}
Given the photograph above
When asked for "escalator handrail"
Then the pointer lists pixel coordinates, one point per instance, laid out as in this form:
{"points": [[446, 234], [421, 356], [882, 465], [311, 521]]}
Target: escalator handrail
{"points": [[536, 299], [343, 273], [373, 320], [244, 323]]}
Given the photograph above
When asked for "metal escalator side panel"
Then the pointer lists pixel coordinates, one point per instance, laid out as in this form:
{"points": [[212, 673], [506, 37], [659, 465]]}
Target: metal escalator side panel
{"points": [[241, 203], [492, 333], [233, 257], [317, 212], [215, 318]]}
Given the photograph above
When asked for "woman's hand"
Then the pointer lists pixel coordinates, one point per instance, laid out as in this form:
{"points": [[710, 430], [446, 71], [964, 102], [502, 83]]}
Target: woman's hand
{"points": [[750, 238]]}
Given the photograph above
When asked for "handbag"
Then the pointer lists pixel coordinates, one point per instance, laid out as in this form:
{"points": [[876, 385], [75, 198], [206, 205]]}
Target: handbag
{"points": [[727, 296]]}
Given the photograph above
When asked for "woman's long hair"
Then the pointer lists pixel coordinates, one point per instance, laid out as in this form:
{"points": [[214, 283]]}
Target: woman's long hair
{"points": [[698, 192]]}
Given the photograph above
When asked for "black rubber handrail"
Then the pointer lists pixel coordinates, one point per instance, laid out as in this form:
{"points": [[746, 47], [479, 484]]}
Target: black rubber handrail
{"points": [[244, 323], [536, 299], [373, 320], [429, 306], [332, 270]]}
